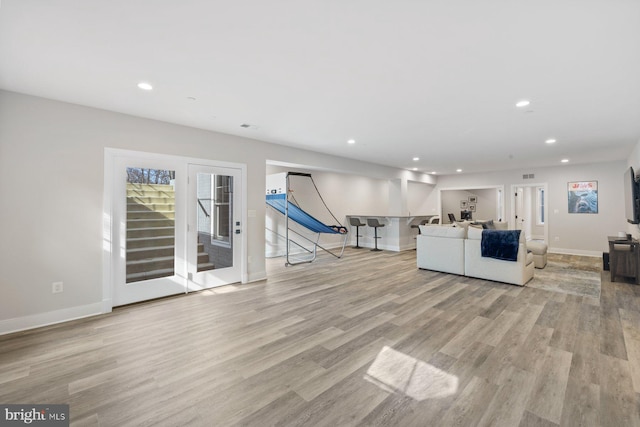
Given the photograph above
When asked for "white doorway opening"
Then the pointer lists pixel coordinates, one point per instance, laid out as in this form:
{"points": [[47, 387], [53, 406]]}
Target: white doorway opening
{"points": [[529, 210]]}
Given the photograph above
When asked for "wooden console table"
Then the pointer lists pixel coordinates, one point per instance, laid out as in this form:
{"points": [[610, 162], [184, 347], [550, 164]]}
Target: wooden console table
{"points": [[623, 258]]}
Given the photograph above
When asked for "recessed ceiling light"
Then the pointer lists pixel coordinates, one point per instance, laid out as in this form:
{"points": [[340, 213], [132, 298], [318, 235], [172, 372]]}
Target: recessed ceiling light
{"points": [[550, 141], [565, 160], [145, 86], [433, 173], [415, 159], [351, 141], [415, 169], [458, 170], [522, 103]]}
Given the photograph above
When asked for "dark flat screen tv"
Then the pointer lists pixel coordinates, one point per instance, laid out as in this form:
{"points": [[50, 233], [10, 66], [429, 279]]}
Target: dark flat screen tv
{"points": [[631, 197]]}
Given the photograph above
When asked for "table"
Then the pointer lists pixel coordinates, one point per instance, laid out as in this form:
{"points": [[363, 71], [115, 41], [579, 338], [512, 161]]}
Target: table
{"points": [[623, 258]]}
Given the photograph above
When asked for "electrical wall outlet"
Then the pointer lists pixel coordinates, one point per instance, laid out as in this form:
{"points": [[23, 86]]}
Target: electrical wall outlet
{"points": [[556, 239], [56, 287]]}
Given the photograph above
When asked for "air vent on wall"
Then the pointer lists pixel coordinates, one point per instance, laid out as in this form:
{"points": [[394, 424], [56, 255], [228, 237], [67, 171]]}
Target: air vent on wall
{"points": [[528, 176]]}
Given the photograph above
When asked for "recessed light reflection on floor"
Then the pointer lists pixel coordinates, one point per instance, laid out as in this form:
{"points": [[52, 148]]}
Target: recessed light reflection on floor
{"points": [[397, 372]]}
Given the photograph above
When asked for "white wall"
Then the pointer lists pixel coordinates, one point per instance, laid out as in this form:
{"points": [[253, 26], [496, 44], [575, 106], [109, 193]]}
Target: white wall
{"points": [[418, 199], [51, 184], [568, 233], [450, 200]]}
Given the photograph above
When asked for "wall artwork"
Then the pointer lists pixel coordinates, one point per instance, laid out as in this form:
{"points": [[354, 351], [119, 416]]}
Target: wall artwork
{"points": [[583, 197], [473, 199], [472, 207], [463, 204]]}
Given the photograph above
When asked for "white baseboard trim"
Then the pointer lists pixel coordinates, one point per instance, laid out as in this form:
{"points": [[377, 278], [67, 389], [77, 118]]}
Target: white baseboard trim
{"points": [[256, 276], [107, 305], [565, 251], [408, 247], [18, 324], [395, 248]]}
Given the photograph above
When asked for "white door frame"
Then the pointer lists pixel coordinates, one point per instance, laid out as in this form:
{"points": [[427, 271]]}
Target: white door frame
{"points": [[512, 214], [111, 239]]}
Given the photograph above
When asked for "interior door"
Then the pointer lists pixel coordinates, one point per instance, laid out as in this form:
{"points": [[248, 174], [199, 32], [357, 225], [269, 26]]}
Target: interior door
{"points": [[214, 240], [528, 209], [520, 214]]}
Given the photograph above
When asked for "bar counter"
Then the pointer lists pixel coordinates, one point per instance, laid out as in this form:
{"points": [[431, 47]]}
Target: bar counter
{"points": [[396, 235]]}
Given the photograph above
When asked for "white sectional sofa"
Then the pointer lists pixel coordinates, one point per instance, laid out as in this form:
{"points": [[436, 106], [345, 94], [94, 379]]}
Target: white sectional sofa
{"points": [[457, 250], [441, 249], [475, 265]]}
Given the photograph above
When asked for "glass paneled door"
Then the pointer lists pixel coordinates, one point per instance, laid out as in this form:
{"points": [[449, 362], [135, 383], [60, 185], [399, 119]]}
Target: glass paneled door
{"points": [[171, 225], [214, 226], [147, 218]]}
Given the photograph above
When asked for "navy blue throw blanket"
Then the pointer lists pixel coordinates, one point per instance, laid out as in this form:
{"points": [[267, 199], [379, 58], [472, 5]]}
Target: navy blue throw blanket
{"points": [[500, 244]]}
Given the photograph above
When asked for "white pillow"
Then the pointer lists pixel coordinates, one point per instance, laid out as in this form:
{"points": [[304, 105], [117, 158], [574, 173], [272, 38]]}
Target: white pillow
{"points": [[437, 231], [474, 233]]}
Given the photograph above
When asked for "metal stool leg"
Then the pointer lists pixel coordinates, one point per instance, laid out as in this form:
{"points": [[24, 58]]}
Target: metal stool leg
{"points": [[357, 246], [375, 238]]}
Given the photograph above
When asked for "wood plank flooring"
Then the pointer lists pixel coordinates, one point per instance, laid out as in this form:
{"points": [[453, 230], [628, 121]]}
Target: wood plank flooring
{"points": [[368, 340]]}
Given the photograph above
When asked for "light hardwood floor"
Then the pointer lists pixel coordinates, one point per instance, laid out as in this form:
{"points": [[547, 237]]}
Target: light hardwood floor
{"points": [[367, 340]]}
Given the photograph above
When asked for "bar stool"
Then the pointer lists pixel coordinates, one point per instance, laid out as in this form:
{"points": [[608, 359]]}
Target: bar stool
{"points": [[373, 222], [423, 222], [355, 222]]}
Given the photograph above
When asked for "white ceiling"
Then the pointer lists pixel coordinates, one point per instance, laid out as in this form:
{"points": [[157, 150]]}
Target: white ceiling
{"points": [[437, 79]]}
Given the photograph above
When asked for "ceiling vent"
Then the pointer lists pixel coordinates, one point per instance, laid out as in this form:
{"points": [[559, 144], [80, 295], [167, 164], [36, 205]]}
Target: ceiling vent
{"points": [[528, 176]]}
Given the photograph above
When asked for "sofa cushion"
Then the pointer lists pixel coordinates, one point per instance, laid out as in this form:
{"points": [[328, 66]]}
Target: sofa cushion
{"points": [[463, 225], [437, 231], [529, 258], [485, 224], [537, 247], [475, 234]]}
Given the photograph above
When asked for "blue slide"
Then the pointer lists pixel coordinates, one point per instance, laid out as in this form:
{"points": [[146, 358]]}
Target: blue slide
{"points": [[278, 201]]}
